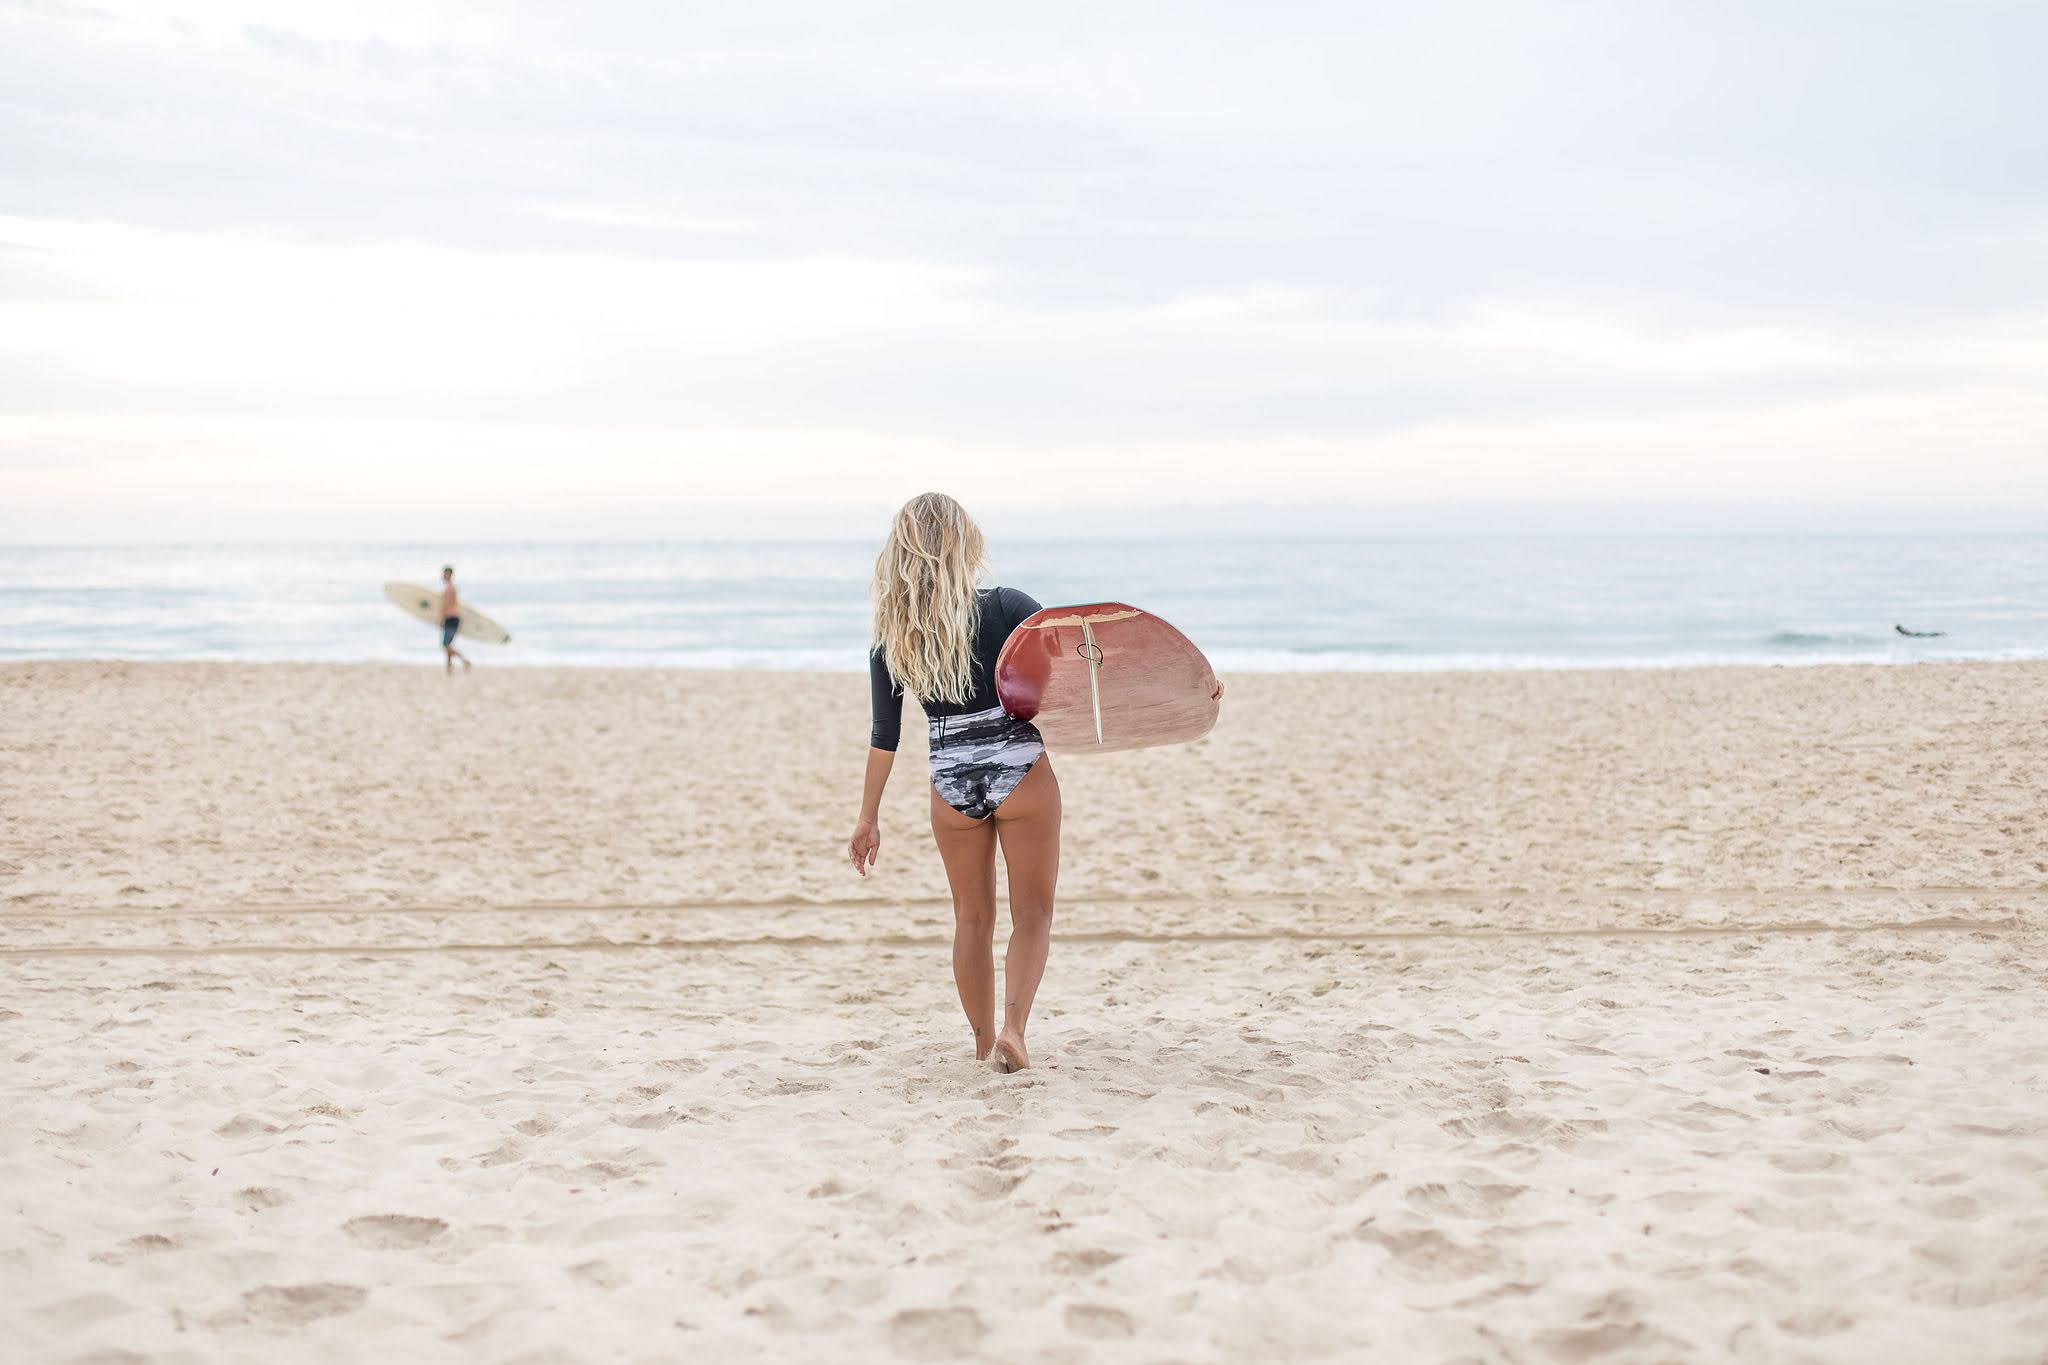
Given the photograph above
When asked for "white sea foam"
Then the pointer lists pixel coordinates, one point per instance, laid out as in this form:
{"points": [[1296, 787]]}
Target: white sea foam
{"points": [[1387, 605]]}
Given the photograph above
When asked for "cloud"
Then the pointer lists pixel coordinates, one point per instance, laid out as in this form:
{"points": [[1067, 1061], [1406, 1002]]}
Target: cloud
{"points": [[134, 320], [1821, 158], [1414, 252]]}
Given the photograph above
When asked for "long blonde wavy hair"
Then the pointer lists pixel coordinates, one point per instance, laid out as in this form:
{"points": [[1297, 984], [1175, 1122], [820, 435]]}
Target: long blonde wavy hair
{"points": [[926, 607]]}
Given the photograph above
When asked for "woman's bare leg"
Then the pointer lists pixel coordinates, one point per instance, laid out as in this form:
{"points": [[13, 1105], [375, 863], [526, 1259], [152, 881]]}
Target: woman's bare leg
{"points": [[1028, 823], [968, 848]]}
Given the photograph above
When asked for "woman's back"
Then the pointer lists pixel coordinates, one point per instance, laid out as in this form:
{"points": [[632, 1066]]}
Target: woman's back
{"points": [[1001, 610]]}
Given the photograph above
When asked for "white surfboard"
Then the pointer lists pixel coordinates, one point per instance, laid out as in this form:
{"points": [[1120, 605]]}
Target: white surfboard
{"points": [[425, 603]]}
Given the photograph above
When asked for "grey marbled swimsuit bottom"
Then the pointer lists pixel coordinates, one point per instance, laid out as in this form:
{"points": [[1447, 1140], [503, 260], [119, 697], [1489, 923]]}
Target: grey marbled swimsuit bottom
{"points": [[979, 758]]}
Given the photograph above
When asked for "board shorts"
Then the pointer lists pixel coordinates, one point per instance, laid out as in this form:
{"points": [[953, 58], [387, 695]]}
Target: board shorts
{"points": [[449, 625], [979, 758]]}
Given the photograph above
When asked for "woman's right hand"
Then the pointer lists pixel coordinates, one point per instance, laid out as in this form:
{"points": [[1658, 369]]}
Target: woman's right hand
{"points": [[862, 847]]}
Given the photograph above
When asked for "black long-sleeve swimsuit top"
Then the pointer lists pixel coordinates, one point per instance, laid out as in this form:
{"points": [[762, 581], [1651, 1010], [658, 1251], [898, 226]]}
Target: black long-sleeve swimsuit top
{"points": [[1001, 610]]}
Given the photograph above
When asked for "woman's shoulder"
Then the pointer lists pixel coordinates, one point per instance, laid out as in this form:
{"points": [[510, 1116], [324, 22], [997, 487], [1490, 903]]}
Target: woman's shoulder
{"points": [[1013, 603]]}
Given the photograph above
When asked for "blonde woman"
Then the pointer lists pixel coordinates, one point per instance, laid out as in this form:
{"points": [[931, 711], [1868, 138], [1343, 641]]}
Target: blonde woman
{"points": [[936, 637]]}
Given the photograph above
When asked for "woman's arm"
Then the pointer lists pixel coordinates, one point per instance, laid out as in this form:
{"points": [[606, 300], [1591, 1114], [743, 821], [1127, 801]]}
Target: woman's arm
{"points": [[867, 840], [887, 707], [867, 834]]}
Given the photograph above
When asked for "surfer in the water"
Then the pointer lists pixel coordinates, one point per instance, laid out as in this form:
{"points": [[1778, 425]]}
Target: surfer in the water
{"points": [[451, 618], [937, 636]]}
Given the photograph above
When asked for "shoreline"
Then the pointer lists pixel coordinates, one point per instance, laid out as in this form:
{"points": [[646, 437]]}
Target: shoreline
{"points": [[1561, 666]]}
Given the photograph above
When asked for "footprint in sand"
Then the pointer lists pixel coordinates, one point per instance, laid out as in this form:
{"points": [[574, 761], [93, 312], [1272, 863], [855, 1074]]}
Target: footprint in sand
{"points": [[257, 1198], [1464, 1201], [983, 1183], [936, 1333], [1591, 1343], [293, 1305], [599, 1274], [148, 1244], [1817, 1322], [503, 1154], [1099, 1322], [394, 1231], [245, 1125], [1806, 1162], [589, 1173], [1083, 1262], [684, 1066], [1424, 1253]]}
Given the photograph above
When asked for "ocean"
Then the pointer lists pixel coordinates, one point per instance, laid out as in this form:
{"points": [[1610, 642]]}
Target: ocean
{"points": [[1365, 604]]}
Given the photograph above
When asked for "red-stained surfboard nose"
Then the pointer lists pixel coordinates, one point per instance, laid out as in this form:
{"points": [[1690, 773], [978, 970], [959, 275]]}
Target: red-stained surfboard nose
{"points": [[1022, 670]]}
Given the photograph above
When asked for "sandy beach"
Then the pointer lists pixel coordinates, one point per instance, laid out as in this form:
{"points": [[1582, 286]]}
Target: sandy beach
{"points": [[534, 1015]]}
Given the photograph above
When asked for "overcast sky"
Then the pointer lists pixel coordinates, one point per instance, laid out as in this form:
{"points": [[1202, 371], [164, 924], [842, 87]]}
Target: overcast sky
{"points": [[389, 268]]}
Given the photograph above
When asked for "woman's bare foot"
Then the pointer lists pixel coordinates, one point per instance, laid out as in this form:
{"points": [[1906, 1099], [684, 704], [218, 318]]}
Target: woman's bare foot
{"points": [[1010, 1054]]}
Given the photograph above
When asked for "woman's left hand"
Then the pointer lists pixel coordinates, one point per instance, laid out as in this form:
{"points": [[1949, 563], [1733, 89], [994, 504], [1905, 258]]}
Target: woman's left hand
{"points": [[864, 845]]}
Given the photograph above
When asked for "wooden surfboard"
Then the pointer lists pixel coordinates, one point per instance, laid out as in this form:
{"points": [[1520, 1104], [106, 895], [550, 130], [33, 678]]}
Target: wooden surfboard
{"points": [[1106, 676]]}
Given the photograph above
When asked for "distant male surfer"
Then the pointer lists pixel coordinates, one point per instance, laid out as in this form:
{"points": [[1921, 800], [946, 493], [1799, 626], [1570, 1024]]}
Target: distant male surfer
{"points": [[451, 618], [1919, 634]]}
